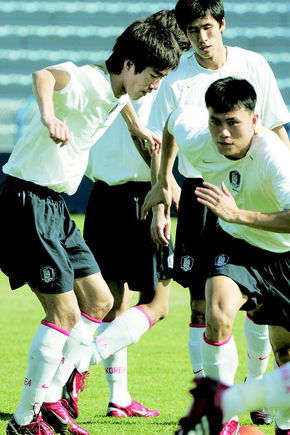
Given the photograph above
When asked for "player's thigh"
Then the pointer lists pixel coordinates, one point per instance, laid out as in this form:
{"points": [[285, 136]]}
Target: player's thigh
{"points": [[280, 342], [93, 295], [61, 309]]}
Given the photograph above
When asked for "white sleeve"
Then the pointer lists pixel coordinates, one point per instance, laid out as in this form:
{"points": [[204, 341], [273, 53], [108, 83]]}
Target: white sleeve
{"points": [[277, 170], [274, 111]]}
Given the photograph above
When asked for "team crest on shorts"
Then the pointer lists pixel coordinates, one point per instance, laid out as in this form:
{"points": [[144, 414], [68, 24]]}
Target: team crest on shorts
{"points": [[221, 260], [235, 179], [186, 263], [47, 274]]}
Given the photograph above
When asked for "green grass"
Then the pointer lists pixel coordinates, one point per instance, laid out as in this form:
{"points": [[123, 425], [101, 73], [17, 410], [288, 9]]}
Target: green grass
{"points": [[159, 371]]}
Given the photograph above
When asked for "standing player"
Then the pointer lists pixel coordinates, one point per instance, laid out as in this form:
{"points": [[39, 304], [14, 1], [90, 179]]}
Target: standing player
{"points": [[203, 22], [247, 256], [128, 258], [76, 105]]}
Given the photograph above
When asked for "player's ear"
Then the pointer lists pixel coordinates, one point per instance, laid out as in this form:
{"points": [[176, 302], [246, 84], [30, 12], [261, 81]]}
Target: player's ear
{"points": [[128, 64], [255, 119]]}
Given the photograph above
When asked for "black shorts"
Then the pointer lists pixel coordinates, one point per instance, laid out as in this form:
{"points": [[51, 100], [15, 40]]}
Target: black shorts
{"points": [[120, 241], [193, 222], [40, 244], [262, 275]]}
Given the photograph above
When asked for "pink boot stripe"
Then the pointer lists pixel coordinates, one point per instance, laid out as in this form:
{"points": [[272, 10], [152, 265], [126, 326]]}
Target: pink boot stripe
{"points": [[193, 325], [92, 319], [216, 344], [57, 328], [147, 315]]}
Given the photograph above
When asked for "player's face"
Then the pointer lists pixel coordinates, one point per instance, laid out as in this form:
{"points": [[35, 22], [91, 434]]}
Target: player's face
{"points": [[232, 132], [140, 84], [205, 35]]}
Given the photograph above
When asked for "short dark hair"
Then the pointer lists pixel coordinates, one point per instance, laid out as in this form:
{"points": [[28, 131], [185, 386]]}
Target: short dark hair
{"points": [[188, 11], [224, 95], [167, 18], [146, 45]]}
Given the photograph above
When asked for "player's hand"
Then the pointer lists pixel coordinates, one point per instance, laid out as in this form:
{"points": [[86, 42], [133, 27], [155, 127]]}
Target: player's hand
{"points": [[149, 140], [160, 226], [220, 201], [157, 195], [58, 130]]}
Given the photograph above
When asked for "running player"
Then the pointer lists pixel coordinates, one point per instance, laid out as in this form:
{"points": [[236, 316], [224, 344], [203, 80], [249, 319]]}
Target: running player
{"points": [[246, 256], [41, 246]]}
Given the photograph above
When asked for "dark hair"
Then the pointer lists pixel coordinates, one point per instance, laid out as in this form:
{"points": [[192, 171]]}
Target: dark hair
{"points": [[146, 45], [167, 18], [224, 95], [187, 11]]}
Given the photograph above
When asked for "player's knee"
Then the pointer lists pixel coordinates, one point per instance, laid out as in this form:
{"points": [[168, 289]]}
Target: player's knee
{"points": [[218, 325]]}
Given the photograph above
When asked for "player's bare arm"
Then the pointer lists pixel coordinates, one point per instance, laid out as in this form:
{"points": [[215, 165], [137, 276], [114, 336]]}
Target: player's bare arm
{"points": [[223, 204], [160, 226], [161, 191], [137, 129], [45, 82]]}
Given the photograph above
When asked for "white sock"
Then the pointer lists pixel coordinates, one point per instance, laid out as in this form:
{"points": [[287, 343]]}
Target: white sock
{"points": [[116, 373], [220, 360], [258, 348], [123, 331], [44, 356], [81, 337], [194, 346], [273, 390]]}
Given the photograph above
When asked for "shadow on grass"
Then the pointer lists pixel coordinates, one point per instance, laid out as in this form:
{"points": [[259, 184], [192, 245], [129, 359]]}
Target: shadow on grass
{"points": [[5, 416]]}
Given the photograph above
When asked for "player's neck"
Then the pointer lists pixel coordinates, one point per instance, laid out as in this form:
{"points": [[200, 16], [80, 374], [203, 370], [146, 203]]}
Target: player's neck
{"points": [[117, 85], [216, 61]]}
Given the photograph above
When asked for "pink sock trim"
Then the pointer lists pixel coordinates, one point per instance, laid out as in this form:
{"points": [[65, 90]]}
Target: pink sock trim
{"points": [[57, 328], [107, 320], [193, 325], [147, 315], [250, 318], [92, 319], [216, 344]]}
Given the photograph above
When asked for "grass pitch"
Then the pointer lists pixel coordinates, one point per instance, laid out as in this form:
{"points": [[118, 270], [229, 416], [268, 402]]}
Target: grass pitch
{"points": [[159, 371]]}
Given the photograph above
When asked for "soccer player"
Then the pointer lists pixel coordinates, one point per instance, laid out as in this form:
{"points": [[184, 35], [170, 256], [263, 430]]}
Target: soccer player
{"points": [[203, 21], [41, 245], [246, 257], [128, 258], [215, 402]]}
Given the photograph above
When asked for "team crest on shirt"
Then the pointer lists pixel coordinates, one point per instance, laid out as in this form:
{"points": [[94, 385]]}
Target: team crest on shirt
{"points": [[221, 260], [186, 263], [47, 274], [235, 179]]}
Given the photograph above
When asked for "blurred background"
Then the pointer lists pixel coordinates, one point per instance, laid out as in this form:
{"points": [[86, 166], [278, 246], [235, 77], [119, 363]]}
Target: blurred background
{"points": [[36, 34]]}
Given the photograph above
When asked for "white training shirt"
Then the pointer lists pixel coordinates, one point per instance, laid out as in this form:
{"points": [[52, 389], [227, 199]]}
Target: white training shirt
{"points": [[88, 106], [260, 181], [115, 159], [188, 84]]}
